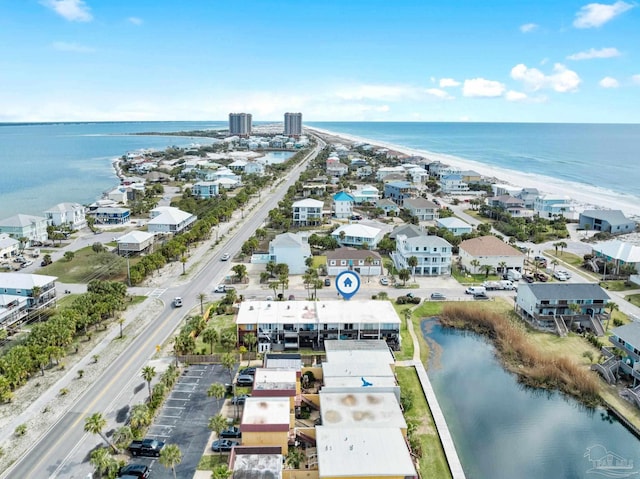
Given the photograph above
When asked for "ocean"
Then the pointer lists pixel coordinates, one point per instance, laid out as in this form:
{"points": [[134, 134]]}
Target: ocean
{"points": [[45, 164]]}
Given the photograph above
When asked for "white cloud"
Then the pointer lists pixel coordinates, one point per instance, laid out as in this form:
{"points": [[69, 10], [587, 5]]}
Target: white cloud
{"points": [[529, 27], [448, 82], [437, 92], [377, 92], [512, 95], [72, 10], [561, 80], [71, 47], [636, 79], [597, 14], [135, 20], [609, 82], [593, 53], [479, 87]]}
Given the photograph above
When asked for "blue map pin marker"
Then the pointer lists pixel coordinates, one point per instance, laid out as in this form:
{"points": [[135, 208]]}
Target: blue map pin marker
{"points": [[348, 284]]}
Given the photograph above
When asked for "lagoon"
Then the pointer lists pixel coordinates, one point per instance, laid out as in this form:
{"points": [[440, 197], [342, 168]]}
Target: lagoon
{"points": [[502, 429]]}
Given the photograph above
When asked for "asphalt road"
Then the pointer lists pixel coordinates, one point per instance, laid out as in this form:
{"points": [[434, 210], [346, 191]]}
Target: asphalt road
{"points": [[64, 449]]}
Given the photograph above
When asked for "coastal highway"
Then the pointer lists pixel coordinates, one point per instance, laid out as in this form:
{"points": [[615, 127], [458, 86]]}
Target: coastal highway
{"points": [[63, 450]]}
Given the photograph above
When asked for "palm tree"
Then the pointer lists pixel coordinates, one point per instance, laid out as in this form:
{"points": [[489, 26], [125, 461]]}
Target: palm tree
{"points": [[202, 297], [412, 261], [369, 261], [95, 424], [250, 340], [404, 274], [217, 423], [229, 363], [221, 471], [120, 322], [218, 391], [210, 336], [475, 263], [148, 373], [611, 306], [295, 458], [503, 267], [100, 459], [183, 260], [139, 416], [562, 246], [576, 309], [122, 436], [241, 272], [170, 457], [486, 268]]}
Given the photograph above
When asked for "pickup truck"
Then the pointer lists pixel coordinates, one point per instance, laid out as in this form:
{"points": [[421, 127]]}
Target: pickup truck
{"points": [[146, 447]]}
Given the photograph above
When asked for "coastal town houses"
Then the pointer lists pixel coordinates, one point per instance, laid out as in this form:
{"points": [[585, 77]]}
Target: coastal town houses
{"points": [[528, 196], [389, 207], [453, 184], [408, 230], [549, 206], [9, 247], [491, 251], [561, 307], [456, 226], [69, 214], [365, 194], [398, 191], [167, 219], [364, 262], [358, 235], [135, 243], [110, 215], [386, 171], [619, 253], [422, 209], [205, 189], [607, 221], [21, 294], [342, 205], [432, 252], [307, 212], [32, 229], [117, 195], [290, 249], [291, 325], [511, 204], [622, 359]]}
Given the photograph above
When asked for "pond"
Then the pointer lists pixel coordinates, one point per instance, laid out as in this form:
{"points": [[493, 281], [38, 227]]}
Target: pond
{"points": [[276, 157], [503, 429]]}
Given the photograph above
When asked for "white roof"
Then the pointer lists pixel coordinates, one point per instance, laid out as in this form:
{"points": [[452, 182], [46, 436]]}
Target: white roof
{"points": [[226, 181], [271, 379], [287, 239], [452, 222], [24, 280], [362, 451], [341, 382], [171, 217], [21, 220], [135, 237], [62, 207], [266, 410], [357, 369], [357, 230], [619, 250], [361, 409], [8, 242], [302, 312], [308, 203]]}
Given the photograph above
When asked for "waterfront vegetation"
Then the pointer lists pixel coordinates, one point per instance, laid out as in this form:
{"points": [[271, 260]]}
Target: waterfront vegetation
{"points": [[422, 434], [520, 355], [87, 264]]}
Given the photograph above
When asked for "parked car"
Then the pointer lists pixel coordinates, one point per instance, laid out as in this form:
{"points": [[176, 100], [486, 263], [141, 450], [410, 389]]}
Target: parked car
{"points": [[244, 380], [292, 297], [541, 277], [560, 276], [528, 278], [438, 296], [239, 400], [269, 298], [26, 263], [232, 432], [223, 445], [384, 281], [248, 371], [565, 272], [225, 257], [327, 281], [134, 470], [480, 296], [146, 447]]}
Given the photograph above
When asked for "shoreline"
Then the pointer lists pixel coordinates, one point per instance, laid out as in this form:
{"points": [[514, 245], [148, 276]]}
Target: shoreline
{"points": [[582, 194]]}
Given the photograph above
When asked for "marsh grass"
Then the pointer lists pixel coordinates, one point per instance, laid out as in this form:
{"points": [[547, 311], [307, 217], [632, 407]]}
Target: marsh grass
{"points": [[523, 357]]}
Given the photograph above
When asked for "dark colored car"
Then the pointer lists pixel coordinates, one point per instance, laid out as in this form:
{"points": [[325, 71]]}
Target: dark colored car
{"points": [[541, 277], [135, 470], [327, 282], [240, 399], [438, 296], [245, 380], [247, 372], [223, 445], [480, 296], [232, 432], [528, 278]]}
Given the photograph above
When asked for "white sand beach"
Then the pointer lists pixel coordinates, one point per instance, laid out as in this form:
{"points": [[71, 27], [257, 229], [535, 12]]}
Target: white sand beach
{"points": [[585, 196]]}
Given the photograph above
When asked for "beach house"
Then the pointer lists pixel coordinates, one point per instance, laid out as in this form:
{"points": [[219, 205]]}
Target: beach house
{"points": [[607, 221], [619, 253], [9, 246], [548, 206], [342, 205], [134, 243], [453, 184], [422, 209], [623, 361], [491, 251], [365, 194], [69, 214], [307, 212], [364, 262], [388, 206], [432, 252], [455, 225], [105, 215], [20, 227], [21, 294], [358, 235], [205, 189], [290, 249], [167, 219], [398, 191]]}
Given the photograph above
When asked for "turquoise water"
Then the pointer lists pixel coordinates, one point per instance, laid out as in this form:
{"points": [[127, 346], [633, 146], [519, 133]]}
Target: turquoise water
{"points": [[503, 430]]}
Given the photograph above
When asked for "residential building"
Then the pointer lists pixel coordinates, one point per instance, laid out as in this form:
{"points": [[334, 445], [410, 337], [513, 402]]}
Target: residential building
{"points": [[492, 251], [422, 209], [511, 204], [549, 305], [364, 172], [438, 169], [389, 207], [626, 340], [134, 243], [205, 189], [408, 230], [303, 324], [607, 221], [293, 124], [167, 219], [240, 124], [266, 421], [455, 225], [385, 171], [117, 195], [453, 184], [470, 176], [33, 228], [372, 409], [21, 294], [619, 253], [432, 252], [359, 235], [69, 214], [528, 196], [343, 205], [398, 191], [337, 169], [111, 215], [290, 249], [281, 382], [364, 262], [9, 246], [548, 206], [307, 212], [365, 194]]}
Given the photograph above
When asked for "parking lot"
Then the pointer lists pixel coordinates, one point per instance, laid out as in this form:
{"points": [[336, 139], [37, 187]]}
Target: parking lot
{"points": [[183, 420]]}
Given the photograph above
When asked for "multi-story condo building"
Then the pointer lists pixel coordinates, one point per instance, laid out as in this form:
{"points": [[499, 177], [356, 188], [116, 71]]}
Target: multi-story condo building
{"points": [[240, 124], [293, 124]]}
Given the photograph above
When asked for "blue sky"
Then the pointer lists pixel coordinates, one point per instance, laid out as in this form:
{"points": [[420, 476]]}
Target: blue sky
{"points": [[504, 60]]}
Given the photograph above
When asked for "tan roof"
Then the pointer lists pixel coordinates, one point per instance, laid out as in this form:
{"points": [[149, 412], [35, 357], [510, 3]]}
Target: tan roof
{"points": [[488, 246], [352, 253]]}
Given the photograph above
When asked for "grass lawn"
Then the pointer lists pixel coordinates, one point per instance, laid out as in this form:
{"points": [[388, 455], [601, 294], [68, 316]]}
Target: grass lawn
{"points": [[565, 256], [406, 345], [87, 265], [633, 299], [433, 463], [618, 285], [222, 322], [319, 261], [208, 462]]}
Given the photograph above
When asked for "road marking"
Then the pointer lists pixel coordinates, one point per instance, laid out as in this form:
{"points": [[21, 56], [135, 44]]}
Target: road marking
{"points": [[166, 415], [156, 293], [175, 407]]}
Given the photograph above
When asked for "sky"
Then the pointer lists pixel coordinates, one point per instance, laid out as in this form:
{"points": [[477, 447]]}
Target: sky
{"points": [[332, 60]]}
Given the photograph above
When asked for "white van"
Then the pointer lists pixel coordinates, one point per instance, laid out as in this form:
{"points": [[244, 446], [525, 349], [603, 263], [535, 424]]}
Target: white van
{"points": [[476, 290], [514, 275]]}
